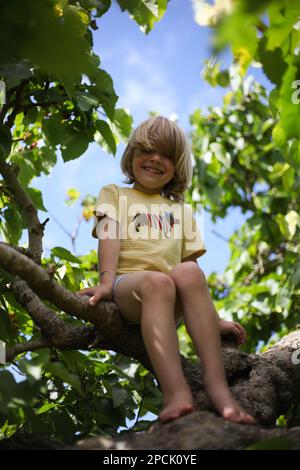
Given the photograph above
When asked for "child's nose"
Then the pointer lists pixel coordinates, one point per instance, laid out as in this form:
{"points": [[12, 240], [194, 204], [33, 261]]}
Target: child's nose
{"points": [[156, 157]]}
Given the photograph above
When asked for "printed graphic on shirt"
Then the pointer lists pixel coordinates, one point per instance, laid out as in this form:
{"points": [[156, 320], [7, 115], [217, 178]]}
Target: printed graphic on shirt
{"points": [[164, 223]]}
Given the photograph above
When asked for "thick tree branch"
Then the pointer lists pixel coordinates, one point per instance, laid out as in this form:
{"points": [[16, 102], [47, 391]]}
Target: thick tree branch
{"points": [[59, 333], [105, 316], [20, 249], [56, 332], [27, 209], [271, 382], [200, 430], [265, 385]]}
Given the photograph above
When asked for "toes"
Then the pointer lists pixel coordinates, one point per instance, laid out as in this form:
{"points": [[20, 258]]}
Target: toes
{"points": [[187, 409], [238, 416], [230, 414], [248, 418], [165, 417], [169, 415]]}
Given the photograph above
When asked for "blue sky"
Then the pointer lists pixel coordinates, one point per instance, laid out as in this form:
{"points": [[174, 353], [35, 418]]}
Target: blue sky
{"points": [[158, 72]]}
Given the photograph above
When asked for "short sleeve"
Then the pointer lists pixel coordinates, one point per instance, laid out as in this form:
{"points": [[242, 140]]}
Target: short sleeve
{"points": [[107, 204], [192, 243]]}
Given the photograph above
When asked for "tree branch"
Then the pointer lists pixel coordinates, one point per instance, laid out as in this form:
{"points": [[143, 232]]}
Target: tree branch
{"points": [[271, 382], [56, 332], [27, 210], [265, 385], [20, 348], [105, 315]]}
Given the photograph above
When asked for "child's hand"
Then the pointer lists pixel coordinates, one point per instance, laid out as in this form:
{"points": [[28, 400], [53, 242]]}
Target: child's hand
{"points": [[234, 328], [101, 292]]}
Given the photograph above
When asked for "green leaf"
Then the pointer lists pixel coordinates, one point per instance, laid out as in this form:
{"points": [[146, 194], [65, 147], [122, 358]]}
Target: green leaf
{"points": [[120, 396], [145, 12], [295, 276], [279, 135], [46, 159], [274, 101], [15, 72], [7, 389], [46, 407], [64, 425], [12, 229], [32, 370], [275, 443], [281, 24], [104, 136], [293, 153], [63, 253], [102, 7], [37, 198], [288, 179], [268, 59], [75, 146], [104, 91], [55, 131], [123, 122], [220, 153], [278, 169], [86, 101], [237, 29], [27, 170], [223, 78], [59, 370], [283, 226]]}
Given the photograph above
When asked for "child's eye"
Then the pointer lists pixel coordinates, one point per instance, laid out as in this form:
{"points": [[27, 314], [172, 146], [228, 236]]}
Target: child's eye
{"points": [[168, 157], [143, 150]]}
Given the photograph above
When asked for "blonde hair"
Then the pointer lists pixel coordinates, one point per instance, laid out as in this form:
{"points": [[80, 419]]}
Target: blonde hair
{"points": [[165, 136]]}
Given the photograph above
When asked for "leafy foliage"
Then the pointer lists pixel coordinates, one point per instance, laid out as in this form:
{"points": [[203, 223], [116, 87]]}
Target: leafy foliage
{"points": [[58, 98], [246, 159]]}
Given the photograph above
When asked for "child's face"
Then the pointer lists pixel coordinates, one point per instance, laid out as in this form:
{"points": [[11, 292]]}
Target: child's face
{"points": [[151, 181]]}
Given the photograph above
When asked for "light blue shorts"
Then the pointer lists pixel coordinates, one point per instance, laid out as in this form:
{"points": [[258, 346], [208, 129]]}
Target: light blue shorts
{"points": [[116, 282]]}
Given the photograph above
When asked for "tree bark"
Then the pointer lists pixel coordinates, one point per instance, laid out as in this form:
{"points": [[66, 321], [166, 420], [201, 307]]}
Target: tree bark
{"points": [[266, 385]]}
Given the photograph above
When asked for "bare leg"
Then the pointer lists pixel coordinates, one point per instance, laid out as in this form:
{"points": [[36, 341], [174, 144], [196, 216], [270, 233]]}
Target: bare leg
{"points": [[161, 342], [201, 323]]}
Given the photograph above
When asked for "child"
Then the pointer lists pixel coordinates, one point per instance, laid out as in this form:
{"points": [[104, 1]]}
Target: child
{"points": [[156, 281]]}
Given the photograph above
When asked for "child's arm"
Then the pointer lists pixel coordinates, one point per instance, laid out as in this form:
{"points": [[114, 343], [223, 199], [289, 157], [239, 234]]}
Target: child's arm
{"points": [[108, 257]]}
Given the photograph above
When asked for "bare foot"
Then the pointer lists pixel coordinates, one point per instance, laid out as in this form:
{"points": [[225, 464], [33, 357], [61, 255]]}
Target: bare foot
{"points": [[226, 404], [178, 406]]}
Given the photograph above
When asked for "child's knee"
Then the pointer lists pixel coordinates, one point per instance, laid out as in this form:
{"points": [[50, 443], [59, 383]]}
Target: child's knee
{"points": [[185, 274], [155, 282]]}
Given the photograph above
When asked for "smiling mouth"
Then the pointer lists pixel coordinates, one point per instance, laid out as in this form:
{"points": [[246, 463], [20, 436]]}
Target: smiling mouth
{"points": [[152, 170]]}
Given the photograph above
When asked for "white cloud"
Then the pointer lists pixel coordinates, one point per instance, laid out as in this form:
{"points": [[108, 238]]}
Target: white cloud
{"points": [[146, 84], [148, 96], [142, 78]]}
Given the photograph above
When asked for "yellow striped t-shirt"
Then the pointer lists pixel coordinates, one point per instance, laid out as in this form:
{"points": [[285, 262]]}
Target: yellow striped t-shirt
{"points": [[156, 233]]}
